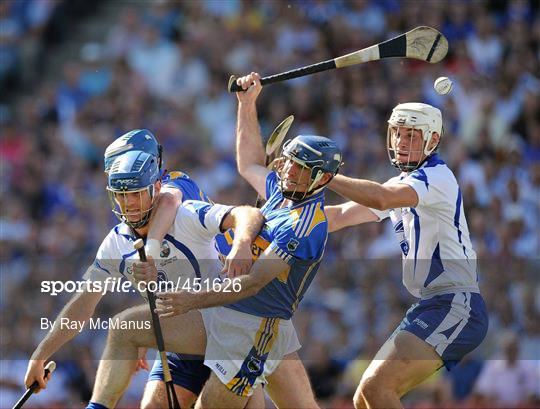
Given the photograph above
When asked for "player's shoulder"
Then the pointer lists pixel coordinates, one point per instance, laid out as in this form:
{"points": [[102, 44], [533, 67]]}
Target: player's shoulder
{"points": [[203, 214], [435, 165], [272, 187], [435, 172], [307, 219], [189, 189], [194, 206], [118, 241], [174, 175]]}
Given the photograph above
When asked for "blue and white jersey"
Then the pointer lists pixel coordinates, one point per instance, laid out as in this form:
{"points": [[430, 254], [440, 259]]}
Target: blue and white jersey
{"points": [[186, 252], [297, 234], [437, 254]]}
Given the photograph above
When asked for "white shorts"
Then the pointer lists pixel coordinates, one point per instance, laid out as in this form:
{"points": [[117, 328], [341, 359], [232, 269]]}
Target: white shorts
{"points": [[243, 349]]}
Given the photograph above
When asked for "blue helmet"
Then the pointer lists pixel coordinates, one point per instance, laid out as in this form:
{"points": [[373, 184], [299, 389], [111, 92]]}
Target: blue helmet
{"points": [[131, 173], [136, 140], [317, 154]]}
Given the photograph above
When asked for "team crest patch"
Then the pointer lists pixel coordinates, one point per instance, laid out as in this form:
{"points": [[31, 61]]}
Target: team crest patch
{"points": [[254, 365], [165, 249], [292, 244], [162, 276]]}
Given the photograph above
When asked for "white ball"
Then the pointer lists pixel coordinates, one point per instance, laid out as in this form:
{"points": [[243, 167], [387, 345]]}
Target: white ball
{"points": [[443, 85]]}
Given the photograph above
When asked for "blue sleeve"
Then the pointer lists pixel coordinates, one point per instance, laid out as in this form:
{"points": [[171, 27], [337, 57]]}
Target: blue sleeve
{"points": [[304, 238], [271, 184], [190, 190]]}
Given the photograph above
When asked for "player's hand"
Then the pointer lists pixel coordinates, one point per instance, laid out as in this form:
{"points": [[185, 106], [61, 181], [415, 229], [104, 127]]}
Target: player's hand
{"points": [[142, 363], [36, 372], [171, 304], [239, 261], [145, 270], [251, 83]]}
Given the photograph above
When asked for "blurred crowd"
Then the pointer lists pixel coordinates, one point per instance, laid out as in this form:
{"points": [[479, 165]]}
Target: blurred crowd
{"points": [[164, 66]]}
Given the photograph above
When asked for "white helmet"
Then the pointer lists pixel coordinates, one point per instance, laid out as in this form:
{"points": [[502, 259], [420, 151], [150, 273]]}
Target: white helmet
{"points": [[416, 115]]}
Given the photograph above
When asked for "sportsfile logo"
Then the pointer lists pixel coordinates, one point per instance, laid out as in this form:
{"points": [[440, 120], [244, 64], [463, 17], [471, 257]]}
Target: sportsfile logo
{"points": [[116, 284]]}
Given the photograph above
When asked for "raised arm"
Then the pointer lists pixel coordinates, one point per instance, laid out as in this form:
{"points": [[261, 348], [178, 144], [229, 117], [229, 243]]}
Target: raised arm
{"points": [[79, 309], [373, 194], [348, 214], [249, 148]]}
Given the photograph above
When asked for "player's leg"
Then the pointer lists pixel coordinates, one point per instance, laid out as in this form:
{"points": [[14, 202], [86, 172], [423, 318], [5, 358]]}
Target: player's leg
{"points": [[289, 385], [188, 374], [183, 333], [402, 363], [216, 395], [256, 401], [438, 330], [155, 396]]}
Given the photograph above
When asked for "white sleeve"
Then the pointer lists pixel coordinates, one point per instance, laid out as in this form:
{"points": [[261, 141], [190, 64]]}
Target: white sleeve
{"points": [[204, 219], [105, 264], [381, 214], [431, 185]]}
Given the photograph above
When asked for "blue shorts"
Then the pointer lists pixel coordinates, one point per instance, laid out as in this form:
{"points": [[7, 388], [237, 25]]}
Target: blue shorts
{"points": [[454, 324], [187, 371]]}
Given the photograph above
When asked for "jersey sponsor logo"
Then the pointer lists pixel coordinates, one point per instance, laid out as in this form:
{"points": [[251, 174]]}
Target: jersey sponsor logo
{"points": [[221, 369], [258, 247], [292, 244], [165, 249], [420, 323]]}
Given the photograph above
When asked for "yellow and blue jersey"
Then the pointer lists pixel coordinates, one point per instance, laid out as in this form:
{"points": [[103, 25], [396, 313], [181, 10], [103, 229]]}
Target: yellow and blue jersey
{"points": [[298, 235], [189, 189]]}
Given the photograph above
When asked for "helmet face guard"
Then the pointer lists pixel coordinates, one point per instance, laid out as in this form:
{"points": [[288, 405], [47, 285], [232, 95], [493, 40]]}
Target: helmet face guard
{"points": [[300, 190], [414, 157], [119, 203], [131, 187], [404, 121], [312, 155]]}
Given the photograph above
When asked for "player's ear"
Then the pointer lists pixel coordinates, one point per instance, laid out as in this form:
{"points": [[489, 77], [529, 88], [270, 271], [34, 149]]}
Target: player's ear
{"points": [[326, 178], [435, 138], [157, 187]]}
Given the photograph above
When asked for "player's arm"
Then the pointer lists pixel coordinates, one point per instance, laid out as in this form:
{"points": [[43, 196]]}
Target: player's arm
{"points": [[163, 216], [80, 308], [348, 214], [204, 221], [267, 267], [249, 148], [247, 222], [373, 194]]}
